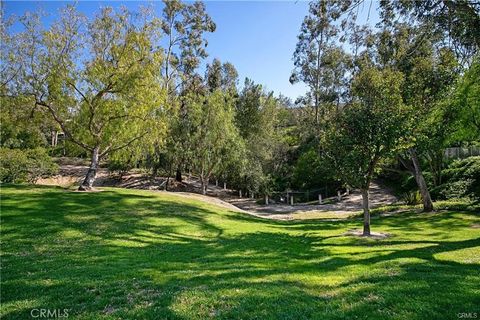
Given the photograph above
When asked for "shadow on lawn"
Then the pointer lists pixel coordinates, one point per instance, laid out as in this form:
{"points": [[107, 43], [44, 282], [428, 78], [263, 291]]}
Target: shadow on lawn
{"points": [[182, 264]]}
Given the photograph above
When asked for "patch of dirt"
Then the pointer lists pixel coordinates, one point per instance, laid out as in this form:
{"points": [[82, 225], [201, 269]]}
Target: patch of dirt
{"points": [[373, 235], [351, 203]]}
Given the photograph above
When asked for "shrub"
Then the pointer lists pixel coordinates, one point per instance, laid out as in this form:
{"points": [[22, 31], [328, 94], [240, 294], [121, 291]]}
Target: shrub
{"points": [[313, 172], [120, 167], [28, 165], [13, 163], [411, 197], [461, 180]]}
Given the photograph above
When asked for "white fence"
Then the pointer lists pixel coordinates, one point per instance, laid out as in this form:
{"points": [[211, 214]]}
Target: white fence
{"points": [[460, 153]]}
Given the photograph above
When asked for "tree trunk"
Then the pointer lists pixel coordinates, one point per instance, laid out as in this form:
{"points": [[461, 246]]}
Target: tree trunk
{"points": [[366, 212], [178, 175], [92, 171], [204, 185], [422, 185]]}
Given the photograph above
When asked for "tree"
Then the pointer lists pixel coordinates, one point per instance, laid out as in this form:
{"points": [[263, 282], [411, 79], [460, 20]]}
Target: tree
{"points": [[214, 133], [367, 131], [319, 60], [465, 104], [460, 19], [429, 69], [221, 76], [256, 117], [184, 25], [97, 79]]}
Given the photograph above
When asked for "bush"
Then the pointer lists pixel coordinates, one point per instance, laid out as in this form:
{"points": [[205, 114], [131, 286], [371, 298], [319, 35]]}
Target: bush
{"points": [[412, 197], [461, 180], [313, 172], [120, 167], [28, 165]]}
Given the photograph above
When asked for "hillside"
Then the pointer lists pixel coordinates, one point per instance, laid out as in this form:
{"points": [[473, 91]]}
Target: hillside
{"points": [[130, 254]]}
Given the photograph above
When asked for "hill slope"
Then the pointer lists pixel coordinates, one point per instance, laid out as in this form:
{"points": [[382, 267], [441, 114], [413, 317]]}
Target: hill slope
{"points": [[129, 254]]}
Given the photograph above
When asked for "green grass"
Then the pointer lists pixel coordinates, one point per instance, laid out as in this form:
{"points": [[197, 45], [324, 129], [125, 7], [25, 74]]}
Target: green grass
{"points": [[123, 254]]}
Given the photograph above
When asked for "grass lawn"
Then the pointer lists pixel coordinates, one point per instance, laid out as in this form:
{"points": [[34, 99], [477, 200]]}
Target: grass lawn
{"points": [[123, 254]]}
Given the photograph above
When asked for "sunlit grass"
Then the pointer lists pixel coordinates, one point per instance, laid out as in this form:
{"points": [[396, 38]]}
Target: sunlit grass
{"points": [[124, 254]]}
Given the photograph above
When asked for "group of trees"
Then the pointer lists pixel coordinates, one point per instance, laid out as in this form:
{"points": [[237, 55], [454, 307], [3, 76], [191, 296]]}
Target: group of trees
{"points": [[392, 91], [127, 88]]}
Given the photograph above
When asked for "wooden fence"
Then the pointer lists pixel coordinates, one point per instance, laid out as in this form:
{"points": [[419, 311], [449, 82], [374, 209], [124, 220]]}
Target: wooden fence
{"points": [[460, 153]]}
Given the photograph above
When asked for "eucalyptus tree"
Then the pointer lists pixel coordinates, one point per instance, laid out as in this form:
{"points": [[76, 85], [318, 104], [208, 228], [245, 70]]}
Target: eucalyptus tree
{"points": [[97, 78], [184, 25], [459, 20], [221, 76], [429, 68], [367, 130], [319, 60]]}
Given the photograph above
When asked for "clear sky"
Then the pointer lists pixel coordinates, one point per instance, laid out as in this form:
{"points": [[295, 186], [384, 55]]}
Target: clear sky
{"points": [[258, 37]]}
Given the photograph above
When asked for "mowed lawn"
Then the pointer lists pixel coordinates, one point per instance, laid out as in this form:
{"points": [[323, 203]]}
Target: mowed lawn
{"points": [[123, 254]]}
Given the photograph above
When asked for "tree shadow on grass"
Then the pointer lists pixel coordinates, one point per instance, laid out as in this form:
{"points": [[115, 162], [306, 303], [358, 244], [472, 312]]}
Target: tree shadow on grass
{"points": [[133, 256]]}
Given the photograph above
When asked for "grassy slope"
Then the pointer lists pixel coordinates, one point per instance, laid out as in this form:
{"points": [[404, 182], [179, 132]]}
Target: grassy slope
{"points": [[122, 254]]}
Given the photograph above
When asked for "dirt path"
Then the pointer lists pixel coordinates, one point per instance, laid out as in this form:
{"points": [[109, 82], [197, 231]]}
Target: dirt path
{"points": [[351, 204]]}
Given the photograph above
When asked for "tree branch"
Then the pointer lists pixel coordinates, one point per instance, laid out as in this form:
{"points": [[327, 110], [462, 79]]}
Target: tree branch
{"points": [[62, 125], [109, 149]]}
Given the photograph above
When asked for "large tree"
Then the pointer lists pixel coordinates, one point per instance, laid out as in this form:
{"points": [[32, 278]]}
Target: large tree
{"points": [[213, 134], [319, 60], [97, 79], [368, 130], [429, 69], [458, 19], [184, 25], [256, 117]]}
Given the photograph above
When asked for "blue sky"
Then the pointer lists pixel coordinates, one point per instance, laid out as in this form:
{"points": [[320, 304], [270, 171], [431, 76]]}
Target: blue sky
{"points": [[258, 37]]}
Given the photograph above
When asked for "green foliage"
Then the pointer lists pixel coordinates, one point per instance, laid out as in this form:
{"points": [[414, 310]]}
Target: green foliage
{"points": [[27, 165], [119, 165], [451, 204], [465, 105], [411, 197], [311, 171], [97, 78], [370, 129], [22, 127], [213, 136], [256, 117], [15, 135], [459, 19], [184, 25], [461, 180], [319, 59], [458, 204], [221, 76]]}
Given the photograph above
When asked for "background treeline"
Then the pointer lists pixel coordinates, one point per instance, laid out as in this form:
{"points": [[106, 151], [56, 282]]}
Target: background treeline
{"points": [[126, 89]]}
